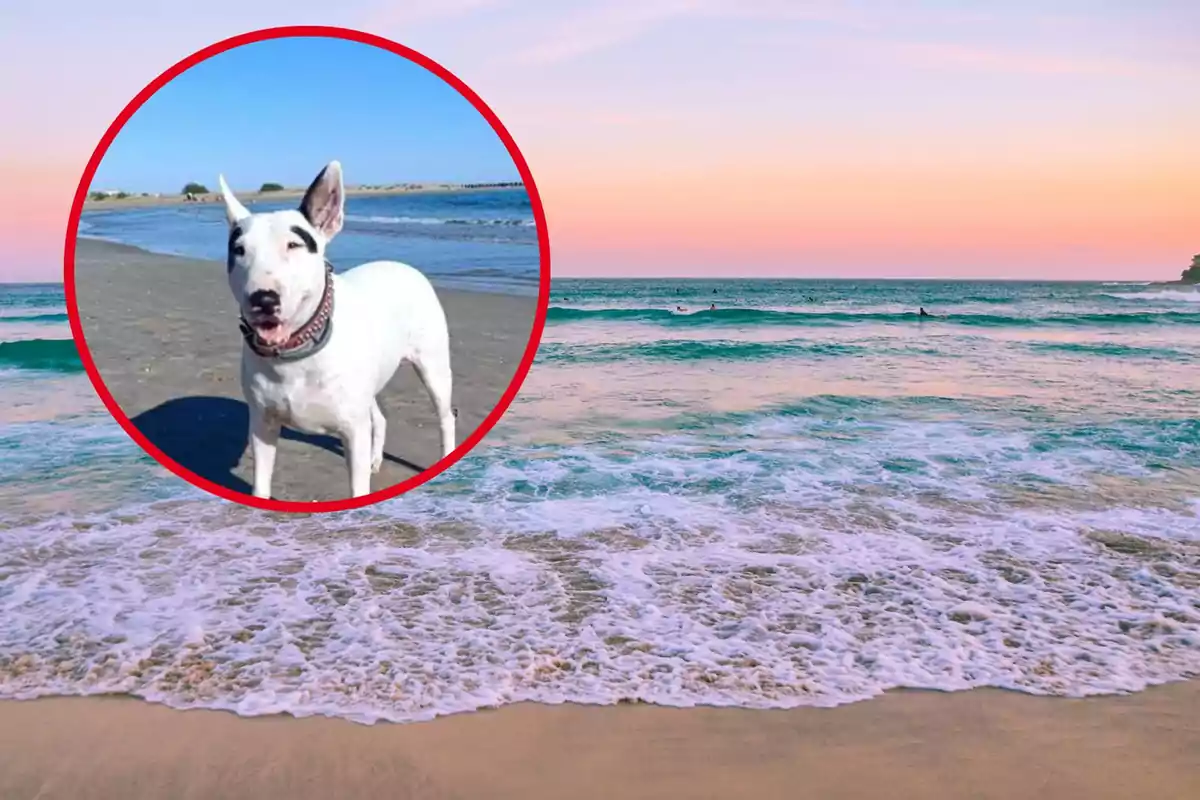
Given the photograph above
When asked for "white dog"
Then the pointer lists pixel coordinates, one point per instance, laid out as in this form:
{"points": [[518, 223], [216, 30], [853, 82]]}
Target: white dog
{"points": [[319, 347]]}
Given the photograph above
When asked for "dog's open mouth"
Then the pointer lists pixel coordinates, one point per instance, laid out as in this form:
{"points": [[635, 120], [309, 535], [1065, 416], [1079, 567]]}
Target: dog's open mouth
{"points": [[269, 331]]}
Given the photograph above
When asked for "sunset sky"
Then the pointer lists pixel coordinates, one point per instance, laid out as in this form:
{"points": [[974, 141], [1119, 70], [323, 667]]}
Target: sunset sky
{"points": [[705, 137]]}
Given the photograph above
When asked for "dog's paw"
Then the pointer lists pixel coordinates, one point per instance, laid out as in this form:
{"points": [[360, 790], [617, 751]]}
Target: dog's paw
{"points": [[376, 464]]}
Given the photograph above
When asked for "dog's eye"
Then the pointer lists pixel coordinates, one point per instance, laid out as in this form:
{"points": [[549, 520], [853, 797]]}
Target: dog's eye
{"points": [[294, 245], [239, 251]]}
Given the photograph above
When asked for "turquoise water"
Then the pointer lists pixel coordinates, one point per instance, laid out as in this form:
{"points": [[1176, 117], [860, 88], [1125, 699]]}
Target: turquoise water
{"points": [[804, 497], [480, 239], [34, 335]]}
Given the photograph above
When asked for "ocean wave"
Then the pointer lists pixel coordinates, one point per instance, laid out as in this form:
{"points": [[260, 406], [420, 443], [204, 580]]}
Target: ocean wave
{"points": [[785, 561], [49, 449], [506, 273], [54, 355], [388, 220], [27, 298], [1115, 350], [755, 316], [703, 350], [44, 317], [1165, 295], [691, 548]]}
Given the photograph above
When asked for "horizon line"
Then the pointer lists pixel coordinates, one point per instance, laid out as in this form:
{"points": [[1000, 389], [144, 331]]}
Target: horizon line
{"points": [[1176, 282], [349, 188]]}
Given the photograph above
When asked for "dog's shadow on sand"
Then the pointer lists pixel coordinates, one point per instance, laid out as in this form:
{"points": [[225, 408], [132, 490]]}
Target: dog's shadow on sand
{"points": [[208, 436]]}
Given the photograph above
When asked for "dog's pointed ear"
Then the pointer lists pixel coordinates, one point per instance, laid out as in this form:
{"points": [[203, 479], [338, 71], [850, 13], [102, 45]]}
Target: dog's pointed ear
{"points": [[324, 202], [235, 212]]}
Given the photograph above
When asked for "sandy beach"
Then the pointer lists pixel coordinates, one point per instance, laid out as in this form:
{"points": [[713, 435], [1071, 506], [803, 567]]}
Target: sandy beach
{"points": [[164, 336], [907, 744]]}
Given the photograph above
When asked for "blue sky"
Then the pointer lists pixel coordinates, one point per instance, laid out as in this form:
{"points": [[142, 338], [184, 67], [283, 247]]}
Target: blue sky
{"points": [[280, 110]]}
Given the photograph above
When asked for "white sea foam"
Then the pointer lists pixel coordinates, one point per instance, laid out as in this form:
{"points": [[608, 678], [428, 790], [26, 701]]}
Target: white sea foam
{"points": [[793, 561], [1163, 295], [988, 518], [26, 331], [404, 220]]}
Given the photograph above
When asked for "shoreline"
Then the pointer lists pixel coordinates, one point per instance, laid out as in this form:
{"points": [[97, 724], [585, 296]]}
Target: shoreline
{"points": [[982, 743], [138, 200], [378, 717]]}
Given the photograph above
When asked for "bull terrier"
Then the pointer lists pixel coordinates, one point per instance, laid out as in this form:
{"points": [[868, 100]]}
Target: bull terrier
{"points": [[318, 346]]}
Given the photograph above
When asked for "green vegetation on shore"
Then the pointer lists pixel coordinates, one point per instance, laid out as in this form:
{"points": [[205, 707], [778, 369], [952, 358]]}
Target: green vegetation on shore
{"points": [[271, 187], [1192, 273], [195, 188]]}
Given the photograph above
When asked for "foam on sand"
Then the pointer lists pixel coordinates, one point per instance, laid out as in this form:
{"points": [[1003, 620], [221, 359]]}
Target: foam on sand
{"points": [[681, 570]]}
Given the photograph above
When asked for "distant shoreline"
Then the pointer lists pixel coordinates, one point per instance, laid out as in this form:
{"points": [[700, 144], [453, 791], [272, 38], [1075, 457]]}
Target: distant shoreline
{"points": [[144, 200], [648, 279]]}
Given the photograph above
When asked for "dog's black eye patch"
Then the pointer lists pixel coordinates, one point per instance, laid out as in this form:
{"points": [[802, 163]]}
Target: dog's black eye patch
{"points": [[309, 242], [235, 249]]}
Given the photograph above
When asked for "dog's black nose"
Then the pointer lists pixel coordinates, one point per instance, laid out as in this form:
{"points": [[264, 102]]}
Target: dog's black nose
{"points": [[264, 301]]}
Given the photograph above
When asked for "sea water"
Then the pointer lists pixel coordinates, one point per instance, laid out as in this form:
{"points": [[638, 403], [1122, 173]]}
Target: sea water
{"points": [[478, 239], [806, 496]]}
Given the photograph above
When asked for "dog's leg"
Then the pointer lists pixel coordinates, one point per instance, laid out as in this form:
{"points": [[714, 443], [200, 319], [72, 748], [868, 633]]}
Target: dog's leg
{"points": [[378, 434], [434, 372], [357, 442], [264, 436]]}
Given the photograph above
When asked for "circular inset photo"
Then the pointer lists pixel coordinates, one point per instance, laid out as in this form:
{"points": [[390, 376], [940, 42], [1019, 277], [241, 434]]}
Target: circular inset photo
{"points": [[307, 269]]}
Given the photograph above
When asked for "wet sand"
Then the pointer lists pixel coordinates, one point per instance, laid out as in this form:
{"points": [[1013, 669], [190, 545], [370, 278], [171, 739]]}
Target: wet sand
{"points": [[981, 744], [163, 332]]}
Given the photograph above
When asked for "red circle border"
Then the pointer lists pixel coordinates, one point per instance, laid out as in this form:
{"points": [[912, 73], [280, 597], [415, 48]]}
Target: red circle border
{"points": [[514, 152]]}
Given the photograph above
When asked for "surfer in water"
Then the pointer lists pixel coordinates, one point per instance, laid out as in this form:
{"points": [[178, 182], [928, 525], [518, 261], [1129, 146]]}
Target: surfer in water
{"points": [[713, 307], [924, 313]]}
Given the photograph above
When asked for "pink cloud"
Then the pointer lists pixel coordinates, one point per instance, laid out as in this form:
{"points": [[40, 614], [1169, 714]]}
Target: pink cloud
{"points": [[943, 54]]}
